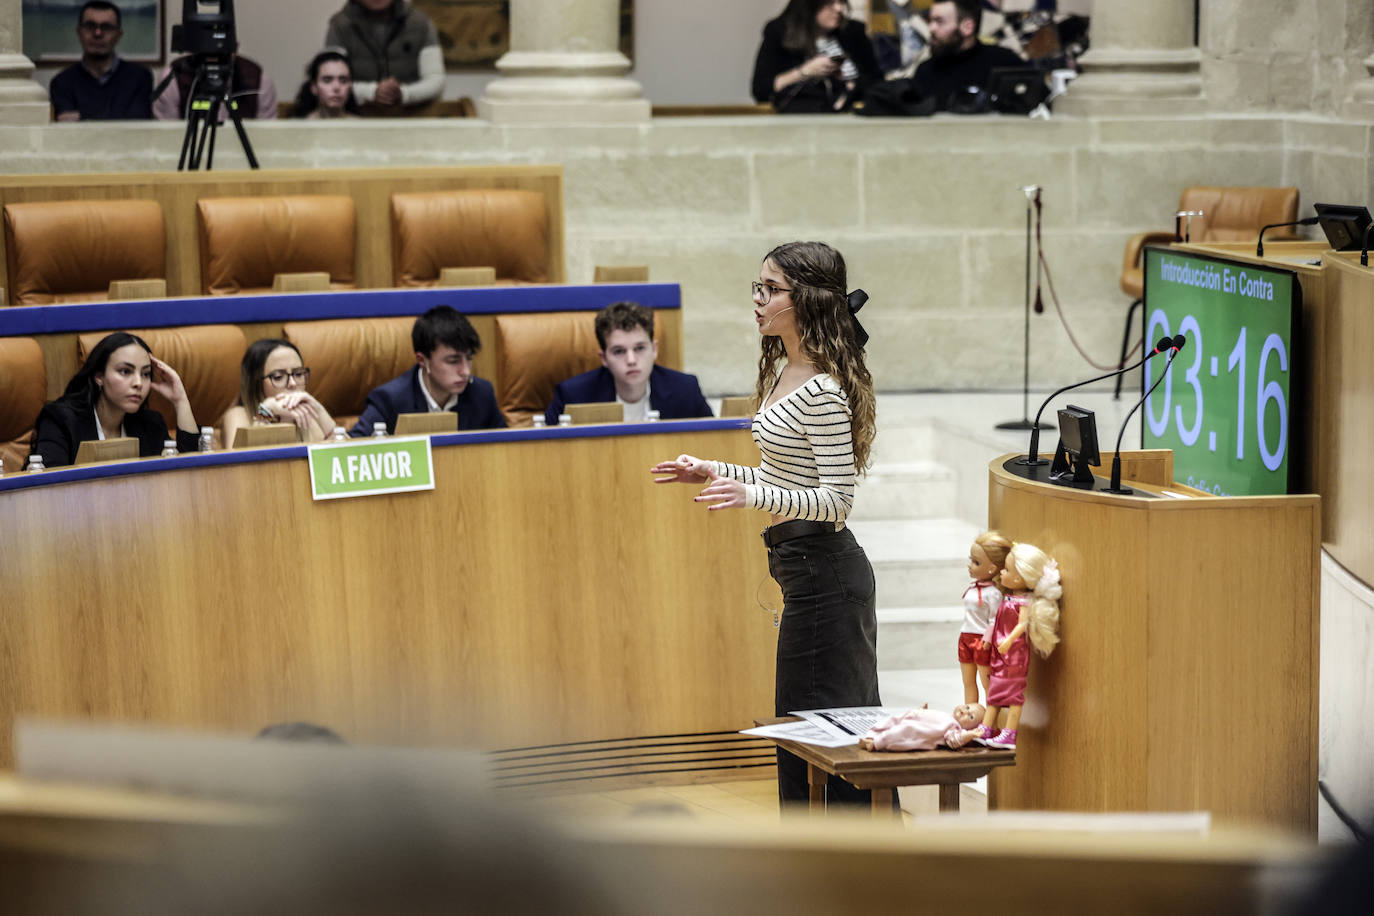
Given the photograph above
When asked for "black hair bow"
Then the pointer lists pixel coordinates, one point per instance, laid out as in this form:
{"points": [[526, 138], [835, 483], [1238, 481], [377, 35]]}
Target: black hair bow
{"points": [[856, 301]]}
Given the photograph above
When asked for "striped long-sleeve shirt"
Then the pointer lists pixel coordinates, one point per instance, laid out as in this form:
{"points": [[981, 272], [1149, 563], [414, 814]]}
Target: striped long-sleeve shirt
{"points": [[807, 468]]}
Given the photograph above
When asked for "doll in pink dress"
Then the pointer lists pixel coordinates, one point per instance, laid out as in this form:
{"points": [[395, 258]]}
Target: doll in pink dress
{"points": [[981, 599], [924, 729], [1028, 617]]}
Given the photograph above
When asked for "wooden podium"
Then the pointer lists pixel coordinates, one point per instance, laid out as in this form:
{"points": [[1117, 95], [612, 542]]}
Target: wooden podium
{"points": [[1187, 675]]}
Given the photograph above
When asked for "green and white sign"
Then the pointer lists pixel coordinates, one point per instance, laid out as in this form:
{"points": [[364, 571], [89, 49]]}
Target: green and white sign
{"points": [[370, 467]]}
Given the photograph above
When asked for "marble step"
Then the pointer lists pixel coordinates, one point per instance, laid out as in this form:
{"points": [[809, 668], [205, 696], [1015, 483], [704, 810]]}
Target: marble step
{"points": [[901, 444], [917, 563], [919, 637], [906, 490]]}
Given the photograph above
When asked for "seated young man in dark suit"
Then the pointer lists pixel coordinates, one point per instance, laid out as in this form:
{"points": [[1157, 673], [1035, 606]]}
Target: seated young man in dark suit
{"points": [[625, 332], [445, 343]]}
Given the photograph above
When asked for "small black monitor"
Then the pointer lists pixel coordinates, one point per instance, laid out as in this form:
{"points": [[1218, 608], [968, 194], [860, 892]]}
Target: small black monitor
{"points": [[1077, 447], [1017, 90], [1343, 224]]}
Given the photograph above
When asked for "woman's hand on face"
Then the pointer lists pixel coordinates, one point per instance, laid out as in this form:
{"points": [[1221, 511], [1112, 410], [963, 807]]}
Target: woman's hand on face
{"points": [[685, 469], [721, 493], [166, 382], [820, 65]]}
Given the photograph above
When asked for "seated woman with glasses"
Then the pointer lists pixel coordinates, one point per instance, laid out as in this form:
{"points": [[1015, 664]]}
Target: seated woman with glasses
{"points": [[272, 380], [108, 399]]}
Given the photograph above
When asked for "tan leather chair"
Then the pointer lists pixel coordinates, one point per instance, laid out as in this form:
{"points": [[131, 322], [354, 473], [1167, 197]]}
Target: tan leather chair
{"points": [[535, 352], [1234, 214], [246, 241], [348, 357], [70, 251], [24, 383], [486, 227], [206, 356]]}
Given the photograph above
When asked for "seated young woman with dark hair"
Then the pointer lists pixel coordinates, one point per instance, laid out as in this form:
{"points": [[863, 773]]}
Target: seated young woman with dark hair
{"points": [[272, 380], [328, 89], [108, 398]]}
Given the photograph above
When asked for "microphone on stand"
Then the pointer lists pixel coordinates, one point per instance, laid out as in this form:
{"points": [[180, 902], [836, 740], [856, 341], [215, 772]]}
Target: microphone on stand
{"points": [[1033, 458], [1115, 485], [1259, 245], [1364, 252]]}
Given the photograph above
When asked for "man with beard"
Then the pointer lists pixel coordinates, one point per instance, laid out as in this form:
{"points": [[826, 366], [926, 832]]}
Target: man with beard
{"points": [[101, 86], [958, 59]]}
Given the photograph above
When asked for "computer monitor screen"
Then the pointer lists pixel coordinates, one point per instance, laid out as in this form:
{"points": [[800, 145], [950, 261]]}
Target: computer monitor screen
{"points": [[1078, 432], [1228, 404], [1343, 225]]}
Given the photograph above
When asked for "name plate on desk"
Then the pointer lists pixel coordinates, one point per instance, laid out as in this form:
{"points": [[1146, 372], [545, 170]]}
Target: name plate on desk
{"points": [[370, 467]]}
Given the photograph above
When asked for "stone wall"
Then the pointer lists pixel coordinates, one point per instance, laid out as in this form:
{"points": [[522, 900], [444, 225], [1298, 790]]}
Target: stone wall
{"points": [[929, 212]]}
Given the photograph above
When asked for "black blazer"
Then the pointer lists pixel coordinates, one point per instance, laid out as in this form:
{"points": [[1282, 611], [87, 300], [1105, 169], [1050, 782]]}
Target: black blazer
{"points": [[476, 406], [773, 58], [675, 395], [61, 427]]}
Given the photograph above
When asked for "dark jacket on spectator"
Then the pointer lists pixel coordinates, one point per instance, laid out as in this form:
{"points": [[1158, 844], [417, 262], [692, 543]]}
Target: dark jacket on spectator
{"points": [[675, 395], [773, 58], [941, 77], [62, 426], [125, 93], [371, 62]]}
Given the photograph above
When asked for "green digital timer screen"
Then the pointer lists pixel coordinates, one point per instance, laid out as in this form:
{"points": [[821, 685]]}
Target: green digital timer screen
{"points": [[1225, 407]]}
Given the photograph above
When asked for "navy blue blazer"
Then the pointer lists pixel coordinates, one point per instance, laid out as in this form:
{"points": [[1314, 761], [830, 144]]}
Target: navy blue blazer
{"points": [[476, 406], [61, 427], [675, 395]]}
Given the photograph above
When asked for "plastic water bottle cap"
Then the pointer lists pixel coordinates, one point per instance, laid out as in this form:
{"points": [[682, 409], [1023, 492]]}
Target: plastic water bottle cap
{"points": [[169, 443], [538, 421], [379, 428], [207, 430], [653, 416], [565, 419]]}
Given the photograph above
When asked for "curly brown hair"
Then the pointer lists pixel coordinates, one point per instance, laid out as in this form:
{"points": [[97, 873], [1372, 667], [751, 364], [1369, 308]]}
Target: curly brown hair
{"points": [[816, 273]]}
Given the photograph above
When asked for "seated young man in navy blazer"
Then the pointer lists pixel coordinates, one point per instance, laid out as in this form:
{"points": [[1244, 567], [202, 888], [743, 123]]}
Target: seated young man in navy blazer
{"points": [[625, 332], [445, 343]]}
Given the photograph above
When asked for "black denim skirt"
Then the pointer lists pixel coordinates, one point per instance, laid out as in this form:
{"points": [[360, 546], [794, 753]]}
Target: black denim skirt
{"points": [[827, 642]]}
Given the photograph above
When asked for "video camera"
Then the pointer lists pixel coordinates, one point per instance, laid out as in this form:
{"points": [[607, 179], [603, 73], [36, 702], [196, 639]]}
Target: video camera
{"points": [[206, 29]]}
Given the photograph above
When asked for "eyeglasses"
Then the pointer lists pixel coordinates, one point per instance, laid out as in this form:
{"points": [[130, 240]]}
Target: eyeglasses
{"points": [[278, 378], [765, 292], [98, 27]]}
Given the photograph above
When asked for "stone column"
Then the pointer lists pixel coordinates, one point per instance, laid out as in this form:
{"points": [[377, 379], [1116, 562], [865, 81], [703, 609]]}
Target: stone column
{"points": [[564, 65], [22, 101], [1142, 59]]}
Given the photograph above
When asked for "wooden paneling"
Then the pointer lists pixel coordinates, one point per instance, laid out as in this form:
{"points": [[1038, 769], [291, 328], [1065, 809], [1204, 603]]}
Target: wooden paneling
{"points": [[547, 591], [1187, 675], [370, 189]]}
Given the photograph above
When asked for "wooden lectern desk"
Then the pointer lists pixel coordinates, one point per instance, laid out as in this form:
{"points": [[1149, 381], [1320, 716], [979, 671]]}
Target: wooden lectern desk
{"points": [[1187, 675]]}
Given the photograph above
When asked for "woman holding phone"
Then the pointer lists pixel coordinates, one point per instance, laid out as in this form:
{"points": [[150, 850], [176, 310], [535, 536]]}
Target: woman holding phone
{"points": [[814, 428], [108, 399], [814, 59]]}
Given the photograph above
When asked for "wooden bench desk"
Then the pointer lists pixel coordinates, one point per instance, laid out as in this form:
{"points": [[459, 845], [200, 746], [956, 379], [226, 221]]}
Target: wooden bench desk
{"points": [[884, 771]]}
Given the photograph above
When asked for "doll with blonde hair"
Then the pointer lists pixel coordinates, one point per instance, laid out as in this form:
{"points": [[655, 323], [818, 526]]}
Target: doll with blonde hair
{"points": [[1027, 617], [986, 557]]}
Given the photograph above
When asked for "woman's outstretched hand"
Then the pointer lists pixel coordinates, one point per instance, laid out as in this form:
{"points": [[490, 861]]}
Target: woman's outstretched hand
{"points": [[721, 493], [685, 469]]}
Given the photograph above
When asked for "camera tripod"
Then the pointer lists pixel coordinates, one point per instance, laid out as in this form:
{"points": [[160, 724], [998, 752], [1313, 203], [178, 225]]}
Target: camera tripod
{"points": [[209, 93]]}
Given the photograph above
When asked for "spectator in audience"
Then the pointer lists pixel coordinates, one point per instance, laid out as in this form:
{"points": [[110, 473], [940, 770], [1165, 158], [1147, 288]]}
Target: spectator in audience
{"points": [[625, 333], [328, 89], [958, 60], [249, 86], [108, 398], [393, 49], [272, 380], [814, 58], [101, 86], [445, 343]]}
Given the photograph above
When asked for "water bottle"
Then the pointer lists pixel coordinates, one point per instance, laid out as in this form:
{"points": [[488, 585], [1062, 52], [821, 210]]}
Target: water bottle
{"points": [[339, 434], [538, 421], [169, 448], [207, 439], [36, 463], [652, 416], [565, 419], [379, 430]]}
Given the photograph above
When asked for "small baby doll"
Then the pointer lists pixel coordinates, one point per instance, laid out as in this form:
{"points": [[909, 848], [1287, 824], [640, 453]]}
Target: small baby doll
{"points": [[986, 558], [924, 729]]}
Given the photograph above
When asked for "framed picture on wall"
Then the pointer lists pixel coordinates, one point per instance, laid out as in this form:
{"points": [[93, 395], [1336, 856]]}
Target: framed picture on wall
{"points": [[475, 33], [50, 28]]}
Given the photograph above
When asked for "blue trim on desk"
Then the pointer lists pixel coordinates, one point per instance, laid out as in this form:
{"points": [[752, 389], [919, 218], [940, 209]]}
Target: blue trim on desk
{"points": [[158, 313], [74, 474]]}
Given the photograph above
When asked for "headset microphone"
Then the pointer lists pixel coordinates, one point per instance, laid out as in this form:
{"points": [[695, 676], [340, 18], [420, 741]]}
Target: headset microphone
{"points": [[769, 323]]}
